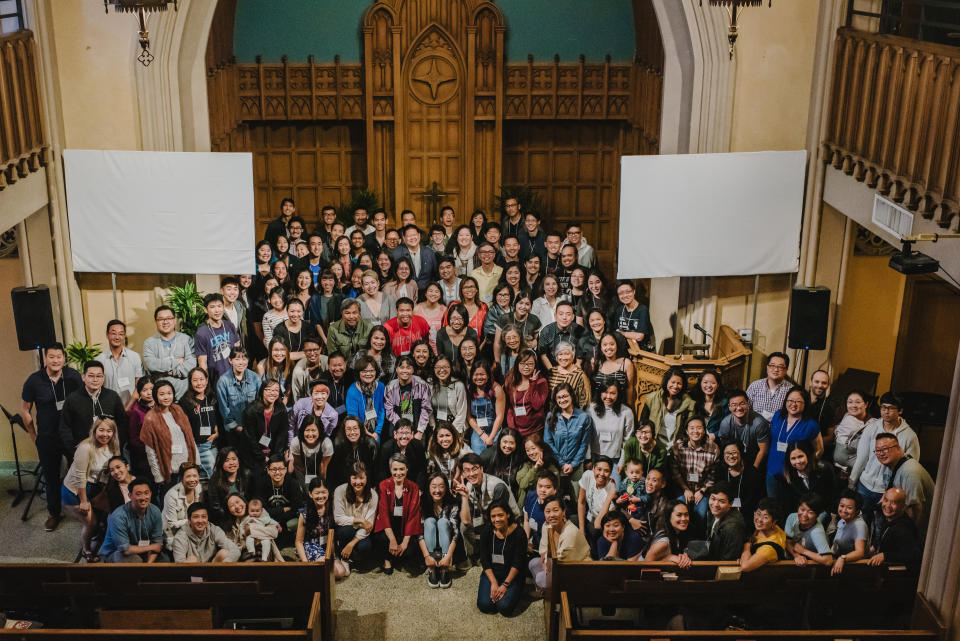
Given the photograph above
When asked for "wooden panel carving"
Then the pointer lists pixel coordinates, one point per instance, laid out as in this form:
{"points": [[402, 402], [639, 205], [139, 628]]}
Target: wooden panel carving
{"points": [[574, 167], [317, 163], [895, 119], [22, 146], [575, 91]]}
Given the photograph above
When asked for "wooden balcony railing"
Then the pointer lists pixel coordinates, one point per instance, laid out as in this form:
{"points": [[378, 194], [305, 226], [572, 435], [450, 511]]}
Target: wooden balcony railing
{"points": [[895, 120], [22, 147]]}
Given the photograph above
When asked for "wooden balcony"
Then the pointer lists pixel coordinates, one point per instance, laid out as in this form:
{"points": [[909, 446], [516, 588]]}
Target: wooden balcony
{"points": [[22, 147], [895, 120]]}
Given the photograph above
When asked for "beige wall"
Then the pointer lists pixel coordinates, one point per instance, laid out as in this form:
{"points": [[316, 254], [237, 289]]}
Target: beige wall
{"points": [[868, 318], [774, 58], [23, 363], [96, 76]]}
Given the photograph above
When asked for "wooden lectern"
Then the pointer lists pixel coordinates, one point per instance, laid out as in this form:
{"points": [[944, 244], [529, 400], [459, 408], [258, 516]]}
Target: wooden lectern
{"points": [[729, 359]]}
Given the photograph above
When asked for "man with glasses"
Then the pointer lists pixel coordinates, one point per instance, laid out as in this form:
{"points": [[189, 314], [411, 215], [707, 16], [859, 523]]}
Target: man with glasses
{"points": [[869, 477], [295, 229], [309, 369], [768, 394], [423, 259], [90, 402], [512, 223], [746, 427], [907, 474], [122, 366], [168, 353], [488, 273], [585, 254]]}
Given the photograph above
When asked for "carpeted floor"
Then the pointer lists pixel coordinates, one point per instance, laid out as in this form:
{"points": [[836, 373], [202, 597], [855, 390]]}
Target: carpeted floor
{"points": [[369, 605]]}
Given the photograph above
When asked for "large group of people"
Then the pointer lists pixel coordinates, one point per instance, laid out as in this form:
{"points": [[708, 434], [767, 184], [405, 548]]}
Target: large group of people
{"points": [[378, 397]]}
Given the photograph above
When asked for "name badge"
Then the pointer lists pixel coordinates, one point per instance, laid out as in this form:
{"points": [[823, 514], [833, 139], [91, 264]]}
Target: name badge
{"points": [[308, 477], [736, 502], [144, 543], [177, 448], [370, 415], [520, 410], [123, 382], [534, 526], [265, 440], [442, 415], [767, 415], [341, 409], [477, 521], [404, 352], [482, 421], [205, 430], [693, 477], [59, 405], [497, 558], [781, 446], [398, 510], [408, 416], [606, 437]]}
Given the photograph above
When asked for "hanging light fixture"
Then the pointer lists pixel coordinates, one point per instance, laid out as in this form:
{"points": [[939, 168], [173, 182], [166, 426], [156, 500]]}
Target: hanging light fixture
{"points": [[141, 8], [734, 6]]}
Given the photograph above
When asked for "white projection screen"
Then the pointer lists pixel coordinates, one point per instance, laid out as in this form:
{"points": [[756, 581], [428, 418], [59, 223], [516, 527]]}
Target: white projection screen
{"points": [[160, 212], [710, 214]]}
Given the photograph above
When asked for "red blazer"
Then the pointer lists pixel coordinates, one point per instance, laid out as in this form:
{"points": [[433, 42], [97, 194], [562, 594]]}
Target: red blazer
{"points": [[412, 525]]}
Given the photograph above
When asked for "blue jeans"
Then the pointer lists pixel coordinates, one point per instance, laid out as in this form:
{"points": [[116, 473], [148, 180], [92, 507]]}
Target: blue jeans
{"points": [[870, 501], [476, 443], [505, 605], [774, 485], [437, 532], [362, 552], [208, 458]]}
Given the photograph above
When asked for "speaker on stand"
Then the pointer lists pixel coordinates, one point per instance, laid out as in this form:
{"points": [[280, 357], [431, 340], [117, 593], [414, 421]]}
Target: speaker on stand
{"points": [[809, 314], [33, 317]]}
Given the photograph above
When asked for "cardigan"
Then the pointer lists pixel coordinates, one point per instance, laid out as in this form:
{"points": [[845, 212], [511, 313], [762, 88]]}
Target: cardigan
{"points": [[344, 513], [533, 400], [420, 401], [654, 410], [156, 435], [357, 404], [412, 525]]}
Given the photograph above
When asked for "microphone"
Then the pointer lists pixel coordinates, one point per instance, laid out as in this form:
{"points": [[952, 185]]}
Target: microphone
{"points": [[697, 327]]}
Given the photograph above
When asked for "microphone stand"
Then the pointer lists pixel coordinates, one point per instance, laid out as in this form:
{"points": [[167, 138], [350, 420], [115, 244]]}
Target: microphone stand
{"points": [[19, 493]]}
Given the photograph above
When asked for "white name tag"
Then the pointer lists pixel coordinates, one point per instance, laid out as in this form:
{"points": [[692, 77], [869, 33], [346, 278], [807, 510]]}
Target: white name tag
{"points": [[781, 446], [370, 415], [442, 415], [477, 521], [497, 558], [736, 502], [177, 448], [205, 430], [693, 477], [308, 477], [398, 510], [606, 437], [408, 416], [144, 543], [520, 410], [59, 405], [265, 440], [534, 526], [123, 382], [482, 421]]}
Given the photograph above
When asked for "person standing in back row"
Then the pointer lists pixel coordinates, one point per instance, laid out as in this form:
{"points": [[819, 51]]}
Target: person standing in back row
{"points": [[122, 367], [168, 353], [46, 392]]}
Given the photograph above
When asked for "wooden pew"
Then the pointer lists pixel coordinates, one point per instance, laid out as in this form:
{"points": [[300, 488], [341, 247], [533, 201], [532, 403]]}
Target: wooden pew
{"points": [[86, 601], [864, 591]]}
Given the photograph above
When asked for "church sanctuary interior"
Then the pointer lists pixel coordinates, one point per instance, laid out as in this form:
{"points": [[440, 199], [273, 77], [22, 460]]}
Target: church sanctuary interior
{"points": [[567, 319]]}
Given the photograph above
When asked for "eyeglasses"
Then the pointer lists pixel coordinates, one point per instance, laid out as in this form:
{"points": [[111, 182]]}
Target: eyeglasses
{"points": [[736, 406], [776, 367], [881, 450], [164, 319], [889, 408]]}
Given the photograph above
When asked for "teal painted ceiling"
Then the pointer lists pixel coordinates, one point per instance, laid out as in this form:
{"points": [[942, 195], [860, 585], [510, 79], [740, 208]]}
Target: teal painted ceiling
{"points": [[324, 28]]}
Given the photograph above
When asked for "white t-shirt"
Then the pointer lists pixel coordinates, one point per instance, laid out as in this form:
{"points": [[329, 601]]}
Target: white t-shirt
{"points": [[595, 496]]}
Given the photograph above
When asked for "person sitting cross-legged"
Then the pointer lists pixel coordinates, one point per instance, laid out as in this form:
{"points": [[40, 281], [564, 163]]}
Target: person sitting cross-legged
{"points": [[201, 541]]}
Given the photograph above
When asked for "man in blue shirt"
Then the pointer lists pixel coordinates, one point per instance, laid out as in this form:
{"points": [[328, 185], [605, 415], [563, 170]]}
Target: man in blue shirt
{"points": [[135, 530]]}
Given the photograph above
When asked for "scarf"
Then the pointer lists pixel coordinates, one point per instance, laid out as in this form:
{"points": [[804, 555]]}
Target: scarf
{"points": [[370, 424], [156, 434], [464, 260]]}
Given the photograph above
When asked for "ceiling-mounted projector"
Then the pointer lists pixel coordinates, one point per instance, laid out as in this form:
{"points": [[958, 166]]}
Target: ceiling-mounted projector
{"points": [[909, 262]]}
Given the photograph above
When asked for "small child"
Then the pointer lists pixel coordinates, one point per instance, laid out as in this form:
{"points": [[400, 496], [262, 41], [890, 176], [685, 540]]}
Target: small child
{"points": [[259, 527], [631, 488]]}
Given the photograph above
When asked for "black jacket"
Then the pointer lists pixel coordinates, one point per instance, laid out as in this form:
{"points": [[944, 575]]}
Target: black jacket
{"points": [[281, 503], [727, 538], [78, 415], [253, 429], [416, 461]]}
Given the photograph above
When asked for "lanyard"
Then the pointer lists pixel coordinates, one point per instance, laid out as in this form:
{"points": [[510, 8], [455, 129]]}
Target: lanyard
{"points": [[54, 388], [789, 429]]}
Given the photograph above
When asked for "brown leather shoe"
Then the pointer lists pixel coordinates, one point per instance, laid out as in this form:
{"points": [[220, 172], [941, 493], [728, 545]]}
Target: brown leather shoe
{"points": [[51, 523]]}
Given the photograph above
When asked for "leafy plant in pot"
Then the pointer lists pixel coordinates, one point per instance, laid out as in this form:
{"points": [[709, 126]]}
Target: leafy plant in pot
{"points": [[79, 352], [187, 305]]}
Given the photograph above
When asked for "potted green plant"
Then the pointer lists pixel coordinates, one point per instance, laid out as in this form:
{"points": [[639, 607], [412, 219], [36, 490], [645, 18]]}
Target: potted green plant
{"points": [[529, 199], [362, 198], [79, 352], [187, 305]]}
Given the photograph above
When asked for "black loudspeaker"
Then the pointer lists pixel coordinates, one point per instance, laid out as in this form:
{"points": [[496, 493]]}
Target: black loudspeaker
{"points": [[33, 316], [809, 311]]}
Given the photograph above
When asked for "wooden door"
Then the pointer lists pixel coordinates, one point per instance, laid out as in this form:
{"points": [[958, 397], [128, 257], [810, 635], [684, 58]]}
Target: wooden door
{"points": [[431, 138]]}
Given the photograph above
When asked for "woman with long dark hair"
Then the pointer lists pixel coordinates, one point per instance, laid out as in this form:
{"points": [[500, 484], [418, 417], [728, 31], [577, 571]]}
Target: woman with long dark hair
{"points": [[350, 445], [355, 511], [612, 366], [229, 477], [790, 424], [487, 404], [265, 425], [527, 395], [568, 432], [710, 399], [669, 543], [669, 407], [462, 248], [505, 459], [201, 407], [441, 530], [805, 472]]}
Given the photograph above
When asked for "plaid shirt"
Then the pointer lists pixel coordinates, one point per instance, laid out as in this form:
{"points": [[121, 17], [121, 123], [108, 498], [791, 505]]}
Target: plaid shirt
{"points": [[692, 466], [765, 401]]}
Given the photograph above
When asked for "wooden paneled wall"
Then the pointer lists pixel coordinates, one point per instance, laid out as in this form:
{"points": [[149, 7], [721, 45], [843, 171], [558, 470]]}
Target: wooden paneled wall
{"points": [[575, 168], [316, 164], [22, 147], [895, 120]]}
